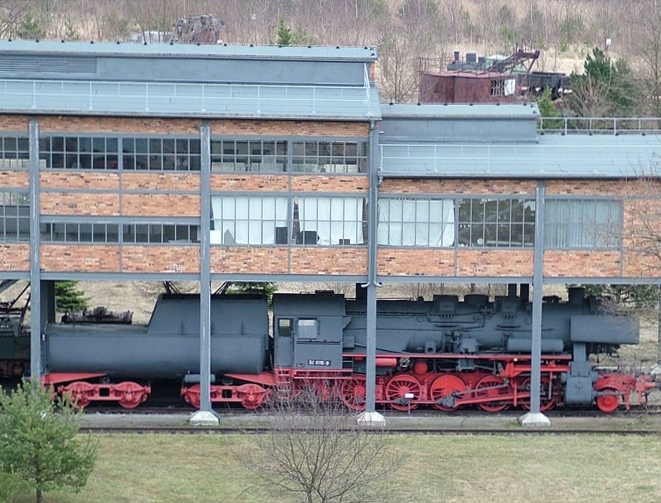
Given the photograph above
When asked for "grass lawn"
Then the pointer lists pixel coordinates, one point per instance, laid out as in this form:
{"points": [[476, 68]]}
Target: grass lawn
{"points": [[466, 469]]}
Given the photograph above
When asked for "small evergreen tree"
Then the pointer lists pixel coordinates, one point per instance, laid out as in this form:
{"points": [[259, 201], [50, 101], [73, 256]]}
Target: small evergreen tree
{"points": [[69, 298], [39, 441], [285, 35]]}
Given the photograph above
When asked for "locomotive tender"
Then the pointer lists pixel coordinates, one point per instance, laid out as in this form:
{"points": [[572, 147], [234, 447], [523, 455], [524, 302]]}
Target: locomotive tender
{"points": [[442, 353]]}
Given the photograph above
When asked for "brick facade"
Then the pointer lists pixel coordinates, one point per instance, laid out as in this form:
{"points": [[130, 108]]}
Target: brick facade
{"points": [[161, 205], [288, 128], [14, 123], [161, 259], [14, 257], [79, 204], [79, 258], [141, 126], [14, 179]]}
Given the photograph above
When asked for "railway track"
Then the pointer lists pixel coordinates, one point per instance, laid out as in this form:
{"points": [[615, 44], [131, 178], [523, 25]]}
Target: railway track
{"points": [[243, 430]]}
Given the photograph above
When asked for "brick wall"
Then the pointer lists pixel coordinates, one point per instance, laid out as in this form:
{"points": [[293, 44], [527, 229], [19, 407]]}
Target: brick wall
{"points": [[249, 183], [313, 260], [456, 186], [561, 263], [288, 128], [161, 181], [14, 257], [79, 203], [14, 123], [77, 180], [79, 258], [164, 205], [141, 126], [14, 179], [161, 259], [316, 183], [413, 261], [249, 260]]}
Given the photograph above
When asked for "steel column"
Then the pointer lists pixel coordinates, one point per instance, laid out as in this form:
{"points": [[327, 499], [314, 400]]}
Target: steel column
{"points": [[370, 350], [205, 270], [35, 243], [537, 286]]}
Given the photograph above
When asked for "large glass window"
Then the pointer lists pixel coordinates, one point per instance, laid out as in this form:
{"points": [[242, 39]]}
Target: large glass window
{"points": [[249, 155], [249, 220], [329, 156], [79, 233], [14, 151], [507, 222], [160, 234], [416, 222], [583, 223], [329, 220], [161, 154], [14, 217], [79, 152]]}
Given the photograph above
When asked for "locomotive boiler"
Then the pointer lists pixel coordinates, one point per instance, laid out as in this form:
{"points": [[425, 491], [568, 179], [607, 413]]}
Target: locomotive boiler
{"points": [[444, 353]]}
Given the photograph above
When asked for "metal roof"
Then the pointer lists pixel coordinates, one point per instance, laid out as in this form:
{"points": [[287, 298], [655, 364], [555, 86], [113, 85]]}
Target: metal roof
{"points": [[460, 111], [205, 81], [125, 49], [189, 100], [553, 156]]}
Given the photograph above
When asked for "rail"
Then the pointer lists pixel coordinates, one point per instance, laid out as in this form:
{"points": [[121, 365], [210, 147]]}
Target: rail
{"points": [[599, 125]]}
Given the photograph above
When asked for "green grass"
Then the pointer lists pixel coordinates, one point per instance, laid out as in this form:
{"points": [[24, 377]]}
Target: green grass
{"points": [[461, 469]]}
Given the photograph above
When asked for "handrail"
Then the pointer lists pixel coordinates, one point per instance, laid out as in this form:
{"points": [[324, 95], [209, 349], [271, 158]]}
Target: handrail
{"points": [[599, 125]]}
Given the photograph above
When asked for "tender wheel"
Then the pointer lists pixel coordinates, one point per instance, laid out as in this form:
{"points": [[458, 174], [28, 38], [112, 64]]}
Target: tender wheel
{"points": [[130, 394], [397, 389], [442, 389], [492, 387], [546, 395], [80, 393], [353, 392], [252, 395], [608, 403]]}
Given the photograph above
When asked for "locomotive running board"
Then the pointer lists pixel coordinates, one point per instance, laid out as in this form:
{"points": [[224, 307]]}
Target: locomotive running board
{"points": [[58, 378]]}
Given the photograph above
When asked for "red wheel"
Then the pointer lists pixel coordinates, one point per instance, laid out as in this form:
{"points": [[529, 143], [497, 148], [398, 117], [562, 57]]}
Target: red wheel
{"points": [[547, 397], [192, 395], [130, 394], [397, 389], [252, 395], [608, 403], [80, 393], [353, 392], [492, 387], [443, 388]]}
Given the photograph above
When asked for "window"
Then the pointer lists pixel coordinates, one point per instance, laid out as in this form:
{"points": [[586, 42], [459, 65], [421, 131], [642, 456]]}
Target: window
{"points": [[54, 232], [308, 329], [14, 152], [329, 220], [79, 152], [249, 155], [329, 156], [501, 223], [251, 220], [14, 217], [416, 222], [160, 234], [583, 223], [161, 154], [285, 327]]}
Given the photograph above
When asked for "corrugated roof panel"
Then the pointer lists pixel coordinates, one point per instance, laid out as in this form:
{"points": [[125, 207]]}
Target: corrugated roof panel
{"points": [[553, 157], [177, 99]]}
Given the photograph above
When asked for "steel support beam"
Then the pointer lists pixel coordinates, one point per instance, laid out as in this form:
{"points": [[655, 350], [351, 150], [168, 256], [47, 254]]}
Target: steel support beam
{"points": [[35, 267], [205, 415]]}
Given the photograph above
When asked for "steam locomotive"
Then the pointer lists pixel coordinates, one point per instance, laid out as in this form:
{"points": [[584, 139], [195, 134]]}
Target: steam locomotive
{"points": [[444, 353]]}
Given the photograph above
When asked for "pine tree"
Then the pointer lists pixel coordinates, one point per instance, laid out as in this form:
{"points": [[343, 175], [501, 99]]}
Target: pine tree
{"points": [[69, 298], [39, 440]]}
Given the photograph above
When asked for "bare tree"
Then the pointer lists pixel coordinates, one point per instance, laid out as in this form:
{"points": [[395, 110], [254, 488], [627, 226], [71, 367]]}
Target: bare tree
{"points": [[11, 13], [641, 233], [315, 452]]}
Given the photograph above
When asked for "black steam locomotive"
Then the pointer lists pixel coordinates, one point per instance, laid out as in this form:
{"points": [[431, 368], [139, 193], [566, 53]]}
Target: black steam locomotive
{"points": [[442, 353]]}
